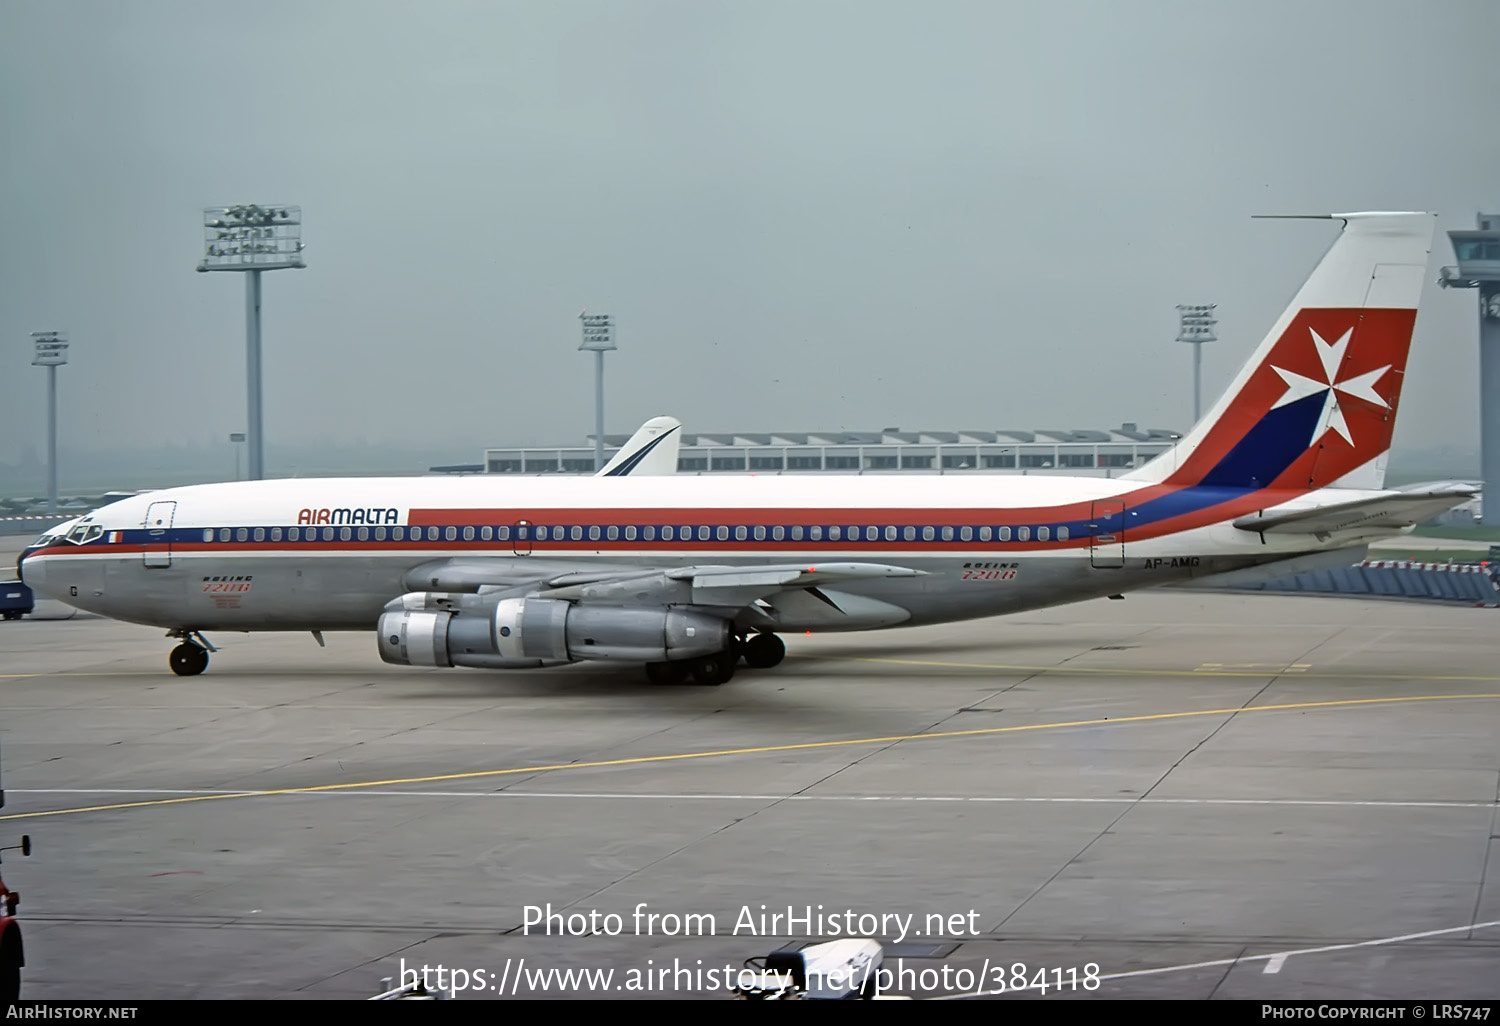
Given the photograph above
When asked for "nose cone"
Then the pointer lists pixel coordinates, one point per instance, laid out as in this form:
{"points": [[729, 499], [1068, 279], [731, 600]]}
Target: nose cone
{"points": [[30, 570]]}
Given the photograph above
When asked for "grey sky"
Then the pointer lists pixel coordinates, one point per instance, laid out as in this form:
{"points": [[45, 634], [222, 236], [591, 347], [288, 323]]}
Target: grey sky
{"points": [[802, 214]]}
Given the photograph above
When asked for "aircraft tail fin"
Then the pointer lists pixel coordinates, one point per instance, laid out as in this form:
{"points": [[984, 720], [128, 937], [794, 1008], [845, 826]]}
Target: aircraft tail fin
{"points": [[651, 451], [1315, 406]]}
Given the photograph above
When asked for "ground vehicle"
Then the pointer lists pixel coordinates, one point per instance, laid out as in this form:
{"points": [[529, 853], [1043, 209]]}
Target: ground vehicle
{"points": [[16, 600]]}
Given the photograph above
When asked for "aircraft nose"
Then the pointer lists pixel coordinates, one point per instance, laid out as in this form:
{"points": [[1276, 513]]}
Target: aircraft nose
{"points": [[28, 575]]}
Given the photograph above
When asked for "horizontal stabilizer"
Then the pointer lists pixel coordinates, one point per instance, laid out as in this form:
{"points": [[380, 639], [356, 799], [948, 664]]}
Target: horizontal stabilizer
{"points": [[1390, 510]]}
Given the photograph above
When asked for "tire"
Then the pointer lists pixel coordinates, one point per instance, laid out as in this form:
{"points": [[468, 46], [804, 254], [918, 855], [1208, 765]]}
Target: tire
{"points": [[714, 669], [188, 660], [10, 983], [666, 673], [764, 651]]}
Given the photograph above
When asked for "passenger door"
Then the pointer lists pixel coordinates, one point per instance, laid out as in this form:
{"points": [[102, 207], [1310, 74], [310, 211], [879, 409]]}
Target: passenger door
{"points": [[157, 551], [1107, 534]]}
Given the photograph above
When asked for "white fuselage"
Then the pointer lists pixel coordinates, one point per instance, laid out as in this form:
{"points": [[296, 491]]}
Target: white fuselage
{"points": [[330, 554]]}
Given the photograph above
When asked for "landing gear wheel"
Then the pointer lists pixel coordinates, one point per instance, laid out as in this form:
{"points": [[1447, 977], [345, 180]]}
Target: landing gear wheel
{"points": [[188, 660], [714, 669], [764, 651], [10, 983], [666, 673]]}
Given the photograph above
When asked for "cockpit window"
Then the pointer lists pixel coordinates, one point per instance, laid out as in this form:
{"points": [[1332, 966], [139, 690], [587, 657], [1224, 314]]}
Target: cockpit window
{"points": [[77, 535], [94, 532]]}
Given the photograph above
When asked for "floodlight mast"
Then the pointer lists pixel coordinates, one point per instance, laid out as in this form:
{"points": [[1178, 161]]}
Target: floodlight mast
{"points": [[599, 336], [1197, 327], [252, 238], [1478, 253], [50, 350]]}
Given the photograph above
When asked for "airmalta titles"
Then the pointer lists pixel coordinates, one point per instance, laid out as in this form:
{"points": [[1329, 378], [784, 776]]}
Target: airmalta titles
{"points": [[348, 516]]}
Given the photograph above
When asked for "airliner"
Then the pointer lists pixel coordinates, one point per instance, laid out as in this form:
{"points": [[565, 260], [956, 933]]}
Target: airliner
{"points": [[690, 576]]}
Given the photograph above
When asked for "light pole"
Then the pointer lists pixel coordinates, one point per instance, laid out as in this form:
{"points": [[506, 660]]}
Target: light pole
{"points": [[50, 350], [1197, 327], [252, 238], [598, 336], [235, 438]]}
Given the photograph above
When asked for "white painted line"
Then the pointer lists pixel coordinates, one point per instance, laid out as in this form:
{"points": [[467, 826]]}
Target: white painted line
{"points": [[1274, 964], [1273, 956], [293, 792]]}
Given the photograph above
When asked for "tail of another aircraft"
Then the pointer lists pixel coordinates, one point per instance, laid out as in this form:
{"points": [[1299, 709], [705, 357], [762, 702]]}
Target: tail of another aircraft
{"points": [[1316, 404], [651, 451]]}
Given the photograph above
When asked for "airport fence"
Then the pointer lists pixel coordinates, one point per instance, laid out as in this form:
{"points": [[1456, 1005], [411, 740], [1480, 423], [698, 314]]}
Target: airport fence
{"points": [[1467, 583]]}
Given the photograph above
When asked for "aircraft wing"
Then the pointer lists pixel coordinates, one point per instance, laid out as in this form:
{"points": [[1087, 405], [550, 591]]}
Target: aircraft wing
{"points": [[1392, 509], [759, 595], [651, 451]]}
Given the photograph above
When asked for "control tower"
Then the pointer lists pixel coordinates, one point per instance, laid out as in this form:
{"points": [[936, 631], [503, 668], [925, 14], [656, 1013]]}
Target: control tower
{"points": [[1478, 254]]}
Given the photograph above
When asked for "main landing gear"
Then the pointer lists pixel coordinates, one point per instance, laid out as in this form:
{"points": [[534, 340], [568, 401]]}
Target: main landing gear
{"points": [[759, 652], [191, 657]]}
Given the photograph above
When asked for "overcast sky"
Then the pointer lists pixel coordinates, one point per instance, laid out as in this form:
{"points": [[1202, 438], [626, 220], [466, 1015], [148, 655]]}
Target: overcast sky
{"points": [[803, 215]]}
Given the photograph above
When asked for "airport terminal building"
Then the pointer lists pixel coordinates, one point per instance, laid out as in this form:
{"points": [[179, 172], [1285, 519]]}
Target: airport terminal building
{"points": [[1098, 453]]}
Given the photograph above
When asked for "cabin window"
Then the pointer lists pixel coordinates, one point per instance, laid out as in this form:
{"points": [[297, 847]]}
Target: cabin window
{"points": [[723, 533], [276, 534], [966, 533], [485, 533], [778, 533], [345, 534], [613, 533], [1023, 534], [503, 533], [649, 533], [834, 533], [450, 534], [398, 533], [1062, 534], [740, 533], [927, 533], [1004, 533], [908, 533], [594, 533], [364, 534], [703, 534], [380, 533], [241, 534], [1042, 534], [208, 535], [796, 532], [984, 533], [760, 533]]}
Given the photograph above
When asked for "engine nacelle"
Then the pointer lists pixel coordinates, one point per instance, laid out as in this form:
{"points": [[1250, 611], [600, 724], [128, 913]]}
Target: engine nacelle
{"points": [[552, 629], [519, 633]]}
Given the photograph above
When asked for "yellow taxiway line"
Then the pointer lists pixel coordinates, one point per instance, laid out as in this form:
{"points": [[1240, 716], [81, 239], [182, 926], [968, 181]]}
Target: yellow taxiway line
{"points": [[721, 753]]}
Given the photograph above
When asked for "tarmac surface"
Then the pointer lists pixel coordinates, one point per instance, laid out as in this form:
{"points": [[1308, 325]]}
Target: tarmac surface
{"points": [[1172, 796]]}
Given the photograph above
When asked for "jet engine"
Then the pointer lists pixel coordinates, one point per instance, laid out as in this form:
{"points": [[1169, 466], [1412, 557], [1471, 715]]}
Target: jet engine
{"points": [[515, 633]]}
